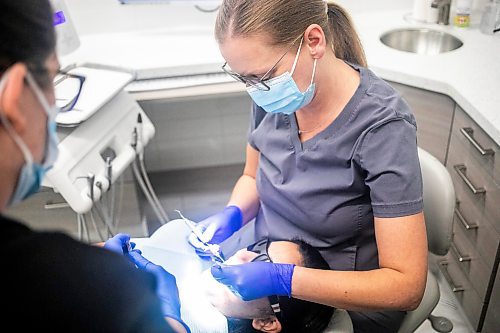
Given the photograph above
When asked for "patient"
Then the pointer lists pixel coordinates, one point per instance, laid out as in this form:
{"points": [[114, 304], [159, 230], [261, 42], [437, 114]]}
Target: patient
{"points": [[208, 306], [271, 314]]}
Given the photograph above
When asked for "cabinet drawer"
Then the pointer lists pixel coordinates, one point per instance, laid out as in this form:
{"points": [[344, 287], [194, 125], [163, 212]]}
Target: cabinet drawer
{"points": [[470, 204], [433, 113], [480, 234], [477, 191], [468, 259], [463, 291], [468, 172], [477, 143]]}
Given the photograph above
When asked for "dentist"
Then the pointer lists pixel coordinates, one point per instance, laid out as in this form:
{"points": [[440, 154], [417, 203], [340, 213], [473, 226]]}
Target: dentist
{"points": [[331, 159]]}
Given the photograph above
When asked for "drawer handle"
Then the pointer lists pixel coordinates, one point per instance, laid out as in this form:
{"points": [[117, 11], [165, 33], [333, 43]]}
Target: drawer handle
{"points": [[448, 278], [468, 133], [464, 222], [460, 169], [460, 257]]}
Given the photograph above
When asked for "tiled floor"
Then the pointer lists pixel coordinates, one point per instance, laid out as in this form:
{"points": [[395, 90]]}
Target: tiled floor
{"points": [[198, 193]]}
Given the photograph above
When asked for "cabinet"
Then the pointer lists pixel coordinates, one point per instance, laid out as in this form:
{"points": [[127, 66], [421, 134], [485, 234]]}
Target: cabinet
{"points": [[473, 160], [471, 264], [197, 131], [434, 114]]}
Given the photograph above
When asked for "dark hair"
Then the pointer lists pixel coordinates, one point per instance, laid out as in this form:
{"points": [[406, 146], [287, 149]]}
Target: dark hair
{"points": [[297, 315], [285, 20], [26, 35], [345, 39]]}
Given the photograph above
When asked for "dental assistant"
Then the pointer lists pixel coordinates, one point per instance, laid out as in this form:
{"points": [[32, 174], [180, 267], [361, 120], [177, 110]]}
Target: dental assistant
{"points": [[331, 159], [51, 281]]}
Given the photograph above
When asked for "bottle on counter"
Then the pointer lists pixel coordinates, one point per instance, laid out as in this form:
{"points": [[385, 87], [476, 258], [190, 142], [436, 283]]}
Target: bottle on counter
{"points": [[462, 13], [490, 20]]}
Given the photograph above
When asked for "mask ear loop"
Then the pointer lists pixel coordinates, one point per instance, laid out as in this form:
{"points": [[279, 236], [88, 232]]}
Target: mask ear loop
{"points": [[314, 70], [297, 56], [51, 112], [40, 96], [297, 59], [28, 157]]}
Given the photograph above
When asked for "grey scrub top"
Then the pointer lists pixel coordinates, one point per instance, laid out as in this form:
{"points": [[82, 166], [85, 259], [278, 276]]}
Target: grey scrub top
{"points": [[327, 190]]}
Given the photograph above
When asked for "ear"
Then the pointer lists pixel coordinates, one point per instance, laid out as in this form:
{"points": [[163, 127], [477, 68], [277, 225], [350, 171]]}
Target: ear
{"points": [[11, 96], [270, 324], [315, 41]]}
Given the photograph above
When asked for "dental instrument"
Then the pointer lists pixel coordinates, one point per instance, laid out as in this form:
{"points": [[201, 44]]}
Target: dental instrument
{"points": [[213, 248]]}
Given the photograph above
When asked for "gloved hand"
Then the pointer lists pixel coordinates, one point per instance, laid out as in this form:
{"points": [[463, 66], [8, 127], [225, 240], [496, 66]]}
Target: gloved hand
{"points": [[217, 228], [257, 279], [119, 243], [166, 288]]}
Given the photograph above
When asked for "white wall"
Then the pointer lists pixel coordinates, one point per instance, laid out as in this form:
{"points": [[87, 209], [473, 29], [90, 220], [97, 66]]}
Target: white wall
{"points": [[96, 16]]}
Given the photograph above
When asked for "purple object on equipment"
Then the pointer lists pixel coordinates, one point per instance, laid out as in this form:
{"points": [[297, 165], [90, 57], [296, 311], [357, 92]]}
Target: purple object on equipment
{"points": [[59, 18]]}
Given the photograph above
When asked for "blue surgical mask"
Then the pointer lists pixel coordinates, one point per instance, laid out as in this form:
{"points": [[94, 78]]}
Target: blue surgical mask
{"points": [[284, 95], [32, 173]]}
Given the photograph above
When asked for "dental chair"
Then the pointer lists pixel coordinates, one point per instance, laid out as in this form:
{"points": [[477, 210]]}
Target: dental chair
{"points": [[439, 205]]}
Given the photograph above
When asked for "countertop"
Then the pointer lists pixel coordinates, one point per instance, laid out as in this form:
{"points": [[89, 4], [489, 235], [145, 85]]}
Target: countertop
{"points": [[470, 75]]}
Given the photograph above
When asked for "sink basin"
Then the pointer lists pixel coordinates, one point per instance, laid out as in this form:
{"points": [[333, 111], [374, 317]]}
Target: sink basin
{"points": [[421, 41]]}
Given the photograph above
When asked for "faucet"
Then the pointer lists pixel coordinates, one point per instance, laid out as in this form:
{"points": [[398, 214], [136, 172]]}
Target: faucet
{"points": [[443, 7]]}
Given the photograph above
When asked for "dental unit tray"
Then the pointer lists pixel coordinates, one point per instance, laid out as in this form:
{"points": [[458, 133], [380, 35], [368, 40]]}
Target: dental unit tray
{"points": [[100, 86], [109, 135]]}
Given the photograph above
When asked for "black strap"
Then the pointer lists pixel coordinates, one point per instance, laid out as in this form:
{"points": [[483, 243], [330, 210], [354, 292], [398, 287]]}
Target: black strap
{"points": [[275, 305]]}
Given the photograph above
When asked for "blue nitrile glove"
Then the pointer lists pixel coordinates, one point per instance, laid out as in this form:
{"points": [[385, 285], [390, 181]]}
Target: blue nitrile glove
{"points": [[119, 243], [254, 280], [166, 287], [217, 228]]}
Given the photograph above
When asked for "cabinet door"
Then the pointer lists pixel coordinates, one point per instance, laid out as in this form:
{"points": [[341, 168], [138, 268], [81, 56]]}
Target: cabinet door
{"points": [[434, 114], [473, 163]]}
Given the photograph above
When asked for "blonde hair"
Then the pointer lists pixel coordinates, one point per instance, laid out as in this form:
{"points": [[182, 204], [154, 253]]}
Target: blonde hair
{"points": [[285, 20]]}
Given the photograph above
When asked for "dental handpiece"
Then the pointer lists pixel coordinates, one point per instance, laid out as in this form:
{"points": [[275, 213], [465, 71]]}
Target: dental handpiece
{"points": [[213, 248]]}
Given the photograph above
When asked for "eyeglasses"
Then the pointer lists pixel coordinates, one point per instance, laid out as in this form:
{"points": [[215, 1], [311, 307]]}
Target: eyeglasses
{"points": [[68, 88], [260, 248], [253, 80]]}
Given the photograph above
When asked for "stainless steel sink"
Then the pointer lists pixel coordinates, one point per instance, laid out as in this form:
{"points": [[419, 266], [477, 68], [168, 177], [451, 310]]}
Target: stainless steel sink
{"points": [[421, 41]]}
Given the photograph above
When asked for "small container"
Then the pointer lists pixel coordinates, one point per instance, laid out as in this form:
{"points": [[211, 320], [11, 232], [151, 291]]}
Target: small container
{"points": [[462, 20], [420, 10], [432, 12], [490, 20], [462, 13]]}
